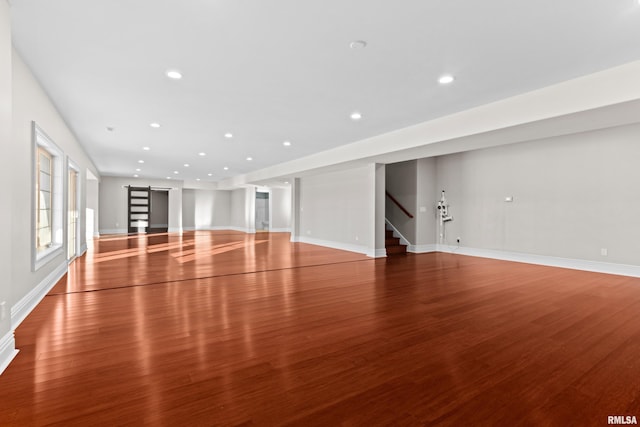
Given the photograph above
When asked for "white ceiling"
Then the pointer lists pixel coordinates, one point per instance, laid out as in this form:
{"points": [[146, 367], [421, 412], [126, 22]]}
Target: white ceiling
{"points": [[270, 71]]}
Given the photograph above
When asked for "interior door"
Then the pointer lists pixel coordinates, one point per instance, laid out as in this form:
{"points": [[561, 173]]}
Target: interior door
{"points": [[139, 209]]}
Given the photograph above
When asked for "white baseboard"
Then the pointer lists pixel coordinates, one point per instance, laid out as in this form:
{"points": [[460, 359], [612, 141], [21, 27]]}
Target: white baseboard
{"points": [[175, 230], [26, 305], [241, 229], [335, 245], [96, 234], [574, 264], [114, 231], [7, 350], [422, 249], [294, 239], [280, 230], [83, 248], [377, 253]]}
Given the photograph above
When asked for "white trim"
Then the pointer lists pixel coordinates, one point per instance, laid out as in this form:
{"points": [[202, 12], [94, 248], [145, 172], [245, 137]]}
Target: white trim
{"points": [[83, 248], [113, 231], [335, 245], [23, 307], [241, 229], [280, 230], [422, 249], [377, 253], [175, 230], [574, 264], [294, 239], [96, 234], [7, 350], [396, 233]]}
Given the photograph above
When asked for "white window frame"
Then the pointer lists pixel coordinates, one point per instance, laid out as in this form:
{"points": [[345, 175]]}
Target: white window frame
{"points": [[71, 165], [41, 257]]}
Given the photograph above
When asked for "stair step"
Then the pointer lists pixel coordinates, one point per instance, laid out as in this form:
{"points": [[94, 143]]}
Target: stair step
{"points": [[396, 249], [391, 241]]}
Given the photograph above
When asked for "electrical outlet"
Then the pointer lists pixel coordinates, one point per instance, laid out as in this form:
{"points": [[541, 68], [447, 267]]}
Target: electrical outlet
{"points": [[458, 240]]}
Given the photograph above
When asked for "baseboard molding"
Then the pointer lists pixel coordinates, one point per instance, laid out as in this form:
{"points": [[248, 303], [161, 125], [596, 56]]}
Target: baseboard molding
{"points": [[280, 230], [83, 248], [422, 249], [7, 350], [175, 230], [377, 253], [335, 245], [574, 264], [114, 231], [96, 234], [241, 229], [26, 305]]}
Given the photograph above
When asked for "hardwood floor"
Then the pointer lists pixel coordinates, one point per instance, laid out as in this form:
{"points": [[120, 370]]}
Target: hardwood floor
{"points": [[223, 328]]}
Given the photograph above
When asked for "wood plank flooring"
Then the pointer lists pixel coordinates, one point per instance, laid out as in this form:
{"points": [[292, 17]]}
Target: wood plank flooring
{"points": [[224, 328]]}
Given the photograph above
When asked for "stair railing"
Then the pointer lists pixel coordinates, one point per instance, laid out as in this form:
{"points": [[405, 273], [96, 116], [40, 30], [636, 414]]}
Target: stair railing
{"points": [[398, 204]]}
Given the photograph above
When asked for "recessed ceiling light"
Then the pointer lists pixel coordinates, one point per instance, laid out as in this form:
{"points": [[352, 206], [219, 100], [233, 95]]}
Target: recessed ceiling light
{"points": [[202, 154], [446, 79], [226, 168], [228, 135], [135, 175], [168, 177], [286, 182], [197, 179], [174, 74], [210, 174], [146, 148], [186, 165], [110, 128], [356, 115], [249, 158], [286, 144], [176, 172], [138, 169], [358, 44], [154, 125], [140, 161]]}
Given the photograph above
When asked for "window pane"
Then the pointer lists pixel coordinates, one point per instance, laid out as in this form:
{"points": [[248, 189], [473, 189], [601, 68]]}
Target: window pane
{"points": [[45, 181], [44, 218], [45, 200], [44, 238], [45, 162]]}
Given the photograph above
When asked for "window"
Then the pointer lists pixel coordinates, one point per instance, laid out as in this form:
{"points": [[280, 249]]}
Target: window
{"points": [[47, 197]]}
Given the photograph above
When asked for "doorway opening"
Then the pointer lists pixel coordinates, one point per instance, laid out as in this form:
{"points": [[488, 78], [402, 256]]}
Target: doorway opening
{"points": [[148, 210], [262, 211]]}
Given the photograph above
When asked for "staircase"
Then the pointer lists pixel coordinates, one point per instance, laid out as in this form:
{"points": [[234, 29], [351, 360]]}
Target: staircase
{"points": [[393, 245]]}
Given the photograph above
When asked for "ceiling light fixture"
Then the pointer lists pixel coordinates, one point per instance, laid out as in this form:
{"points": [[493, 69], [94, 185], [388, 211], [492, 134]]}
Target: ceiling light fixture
{"points": [[197, 179], [228, 135], [146, 148], [358, 44], [186, 165], [210, 174], [168, 177], [140, 161], [286, 144], [202, 154], [446, 79], [110, 128], [138, 169], [226, 168], [356, 115], [174, 74], [155, 125], [176, 172], [135, 175], [249, 158]]}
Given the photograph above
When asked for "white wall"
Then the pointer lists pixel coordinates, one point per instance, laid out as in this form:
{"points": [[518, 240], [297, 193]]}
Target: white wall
{"points": [[205, 209], [113, 202], [337, 209], [573, 196], [7, 342], [30, 103], [427, 194], [280, 198], [93, 198], [242, 212]]}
